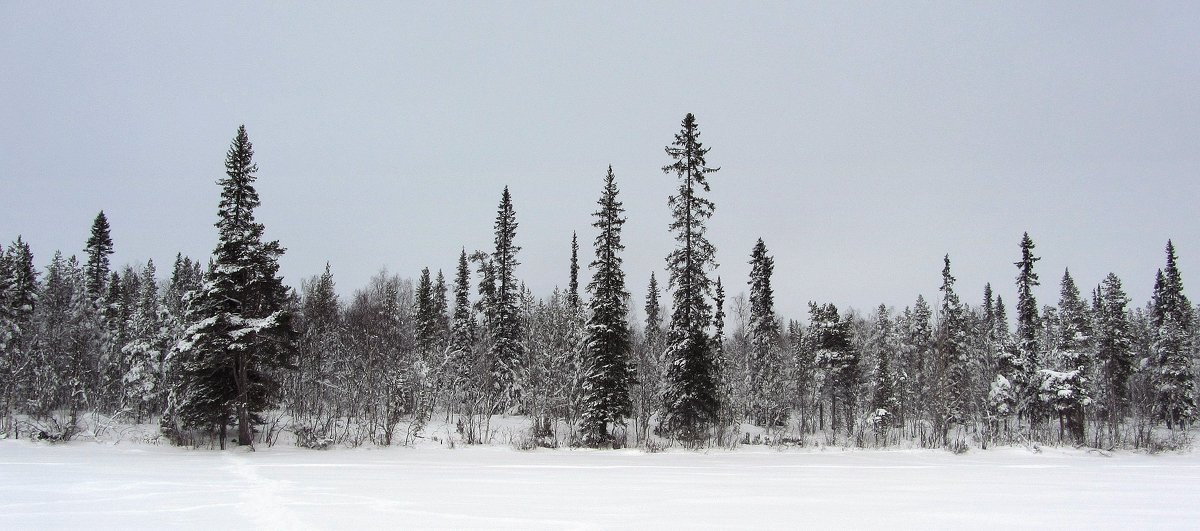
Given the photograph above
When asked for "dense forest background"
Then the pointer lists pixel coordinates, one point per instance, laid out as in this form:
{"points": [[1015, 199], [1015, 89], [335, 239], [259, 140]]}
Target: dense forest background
{"points": [[221, 343]]}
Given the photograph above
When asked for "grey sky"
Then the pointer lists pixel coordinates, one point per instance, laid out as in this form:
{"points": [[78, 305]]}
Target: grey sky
{"points": [[860, 141]]}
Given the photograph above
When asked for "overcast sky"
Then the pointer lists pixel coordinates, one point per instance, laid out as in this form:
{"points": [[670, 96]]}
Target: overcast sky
{"points": [[860, 141]]}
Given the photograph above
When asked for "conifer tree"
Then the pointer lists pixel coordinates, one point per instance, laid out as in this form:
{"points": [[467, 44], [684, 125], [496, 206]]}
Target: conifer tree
{"points": [[462, 323], [426, 313], [650, 368], [1114, 349], [441, 310], [18, 296], [1066, 390], [692, 395], [507, 347], [917, 349], [573, 300], [144, 350], [609, 374], [766, 407], [99, 248], [954, 384], [830, 341], [1174, 381], [1024, 364], [242, 334], [884, 402]]}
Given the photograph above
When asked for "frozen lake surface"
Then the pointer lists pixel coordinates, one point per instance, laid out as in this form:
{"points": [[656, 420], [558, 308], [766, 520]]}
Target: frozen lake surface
{"points": [[103, 486]]}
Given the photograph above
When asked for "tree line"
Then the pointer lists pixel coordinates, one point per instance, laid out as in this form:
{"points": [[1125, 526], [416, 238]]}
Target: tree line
{"points": [[225, 344]]}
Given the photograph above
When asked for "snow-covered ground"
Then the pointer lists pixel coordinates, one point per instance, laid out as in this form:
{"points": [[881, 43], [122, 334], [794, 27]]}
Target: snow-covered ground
{"points": [[105, 486]]}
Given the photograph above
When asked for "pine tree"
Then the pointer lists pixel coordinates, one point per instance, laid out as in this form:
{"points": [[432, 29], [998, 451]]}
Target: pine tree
{"points": [[144, 350], [1114, 349], [1027, 331], [462, 324], [99, 247], [884, 402], [1172, 346], [573, 300], [441, 310], [18, 282], [609, 374], [650, 367], [507, 347], [917, 350], [954, 384], [766, 407], [242, 334], [1066, 390], [427, 319], [830, 341], [692, 396]]}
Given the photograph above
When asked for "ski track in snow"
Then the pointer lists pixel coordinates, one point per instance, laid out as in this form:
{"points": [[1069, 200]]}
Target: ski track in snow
{"points": [[262, 499]]}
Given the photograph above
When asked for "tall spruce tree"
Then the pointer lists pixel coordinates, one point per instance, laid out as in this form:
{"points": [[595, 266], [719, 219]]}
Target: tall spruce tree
{"points": [[243, 333], [766, 405], [441, 309], [20, 294], [1114, 349], [1066, 390], [953, 356], [885, 405], [427, 319], [1172, 314], [99, 248], [609, 373], [507, 347], [573, 301], [1028, 324], [692, 396]]}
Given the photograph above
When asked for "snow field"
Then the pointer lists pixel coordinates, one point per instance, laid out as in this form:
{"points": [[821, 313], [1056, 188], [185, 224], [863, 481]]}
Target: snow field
{"points": [[131, 486]]}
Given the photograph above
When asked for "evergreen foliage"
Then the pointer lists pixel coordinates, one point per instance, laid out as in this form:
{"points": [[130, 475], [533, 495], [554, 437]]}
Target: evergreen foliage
{"points": [[99, 248], [243, 333], [609, 373], [1028, 324], [691, 397], [765, 378], [507, 347], [1174, 381]]}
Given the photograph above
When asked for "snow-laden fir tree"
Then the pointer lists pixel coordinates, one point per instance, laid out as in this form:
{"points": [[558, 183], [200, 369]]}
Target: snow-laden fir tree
{"points": [[462, 331], [916, 360], [144, 351], [650, 367], [609, 374], [317, 391], [99, 248], [441, 309], [726, 415], [885, 404], [64, 379], [1023, 365], [573, 300], [20, 293], [507, 347], [766, 360], [830, 341], [954, 377], [692, 395], [427, 318], [243, 332], [1174, 380], [1114, 350], [1065, 389]]}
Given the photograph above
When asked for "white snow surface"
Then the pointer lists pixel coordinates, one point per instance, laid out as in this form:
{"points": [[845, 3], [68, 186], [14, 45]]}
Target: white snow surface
{"points": [[140, 486]]}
